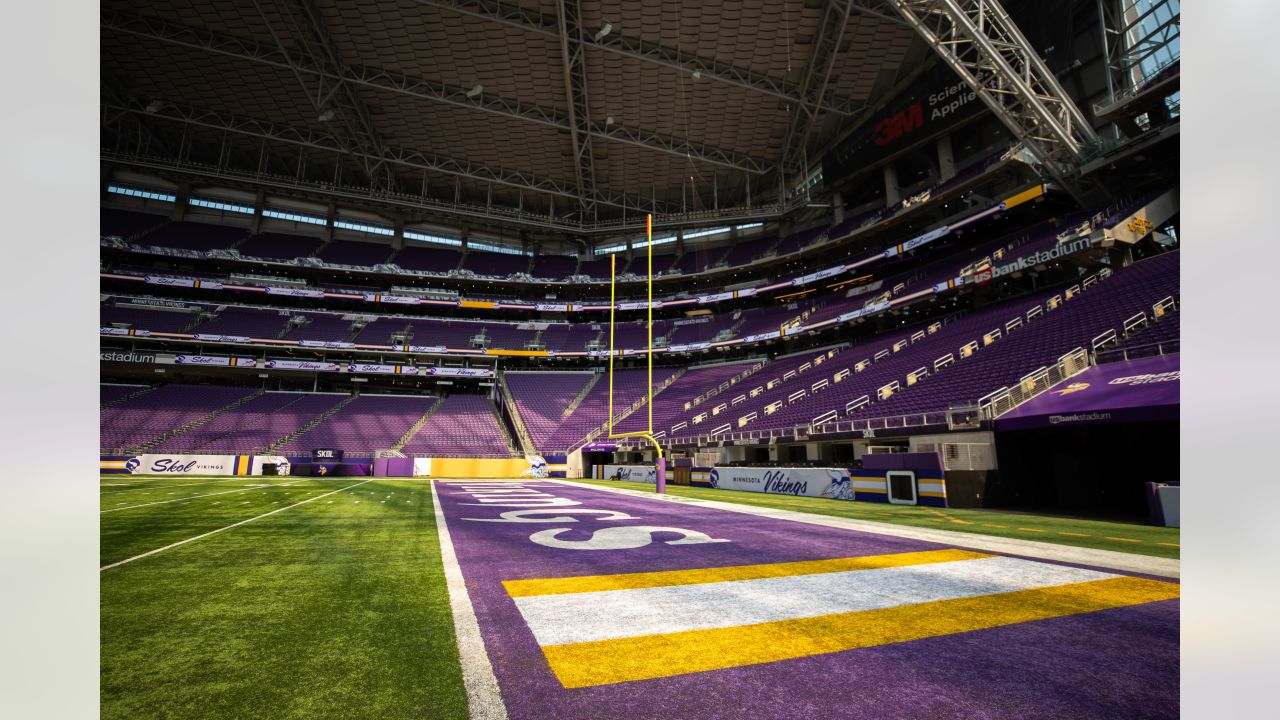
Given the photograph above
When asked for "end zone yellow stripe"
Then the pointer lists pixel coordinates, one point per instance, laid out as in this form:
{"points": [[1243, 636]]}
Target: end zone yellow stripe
{"points": [[652, 656], [631, 581]]}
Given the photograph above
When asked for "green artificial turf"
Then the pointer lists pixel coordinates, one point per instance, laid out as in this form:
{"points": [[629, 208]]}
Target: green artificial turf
{"points": [[1105, 535], [333, 609]]}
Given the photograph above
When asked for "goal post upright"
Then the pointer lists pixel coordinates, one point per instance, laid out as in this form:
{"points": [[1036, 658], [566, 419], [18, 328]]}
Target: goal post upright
{"points": [[661, 473]]}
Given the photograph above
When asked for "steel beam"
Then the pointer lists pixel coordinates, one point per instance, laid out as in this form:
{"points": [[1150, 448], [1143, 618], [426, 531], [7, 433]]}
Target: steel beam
{"points": [[391, 155], [533, 21], [315, 49], [199, 38], [826, 47], [979, 41], [575, 82]]}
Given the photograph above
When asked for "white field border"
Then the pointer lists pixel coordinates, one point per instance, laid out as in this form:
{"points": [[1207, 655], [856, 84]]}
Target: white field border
{"points": [[193, 497], [233, 525], [1110, 559], [484, 697]]}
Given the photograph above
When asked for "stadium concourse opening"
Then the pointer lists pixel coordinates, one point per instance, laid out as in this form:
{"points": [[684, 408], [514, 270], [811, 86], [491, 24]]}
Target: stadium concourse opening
{"points": [[398, 340]]}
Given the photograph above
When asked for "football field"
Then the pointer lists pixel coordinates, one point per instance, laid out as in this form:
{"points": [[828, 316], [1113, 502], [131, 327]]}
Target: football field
{"points": [[281, 597]]}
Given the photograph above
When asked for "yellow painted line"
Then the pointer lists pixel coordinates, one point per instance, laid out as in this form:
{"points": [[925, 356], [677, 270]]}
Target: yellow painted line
{"points": [[1170, 545], [1124, 539], [994, 525], [606, 662], [945, 516], [1031, 529], [631, 581], [1064, 532]]}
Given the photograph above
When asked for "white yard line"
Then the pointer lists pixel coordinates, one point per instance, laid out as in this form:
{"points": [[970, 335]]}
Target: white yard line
{"points": [[483, 694], [233, 525], [193, 497], [1127, 562]]}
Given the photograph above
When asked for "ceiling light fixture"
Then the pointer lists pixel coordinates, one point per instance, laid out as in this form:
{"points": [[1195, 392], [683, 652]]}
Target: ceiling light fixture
{"points": [[697, 74], [326, 115], [473, 92], [604, 30], [154, 106]]}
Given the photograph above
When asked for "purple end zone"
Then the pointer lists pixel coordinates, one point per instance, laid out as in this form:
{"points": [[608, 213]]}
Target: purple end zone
{"points": [[1116, 663]]}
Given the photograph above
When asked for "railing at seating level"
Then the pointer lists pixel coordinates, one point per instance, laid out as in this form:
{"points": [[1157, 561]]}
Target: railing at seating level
{"points": [[1167, 347], [1033, 383]]}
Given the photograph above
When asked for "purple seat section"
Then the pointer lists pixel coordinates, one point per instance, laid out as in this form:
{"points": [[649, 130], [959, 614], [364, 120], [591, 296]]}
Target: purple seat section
{"points": [[279, 246], [629, 386], [462, 426], [554, 267], [323, 326], [696, 381], [126, 223], [159, 320], [195, 236], [241, 430], [541, 399], [350, 252], [150, 415], [428, 259], [569, 337], [495, 264], [365, 425], [250, 322], [379, 331]]}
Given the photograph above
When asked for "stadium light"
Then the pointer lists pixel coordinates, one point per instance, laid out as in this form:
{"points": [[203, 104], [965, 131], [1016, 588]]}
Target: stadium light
{"points": [[154, 106], [473, 92], [327, 115], [604, 30]]}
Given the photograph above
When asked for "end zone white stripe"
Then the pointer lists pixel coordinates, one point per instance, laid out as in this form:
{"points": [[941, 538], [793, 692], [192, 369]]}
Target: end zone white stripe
{"points": [[483, 694], [235, 525]]}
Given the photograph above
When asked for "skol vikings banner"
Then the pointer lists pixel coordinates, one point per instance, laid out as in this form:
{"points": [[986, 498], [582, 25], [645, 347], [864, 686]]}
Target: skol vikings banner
{"points": [[300, 365], [456, 372], [810, 482], [214, 360]]}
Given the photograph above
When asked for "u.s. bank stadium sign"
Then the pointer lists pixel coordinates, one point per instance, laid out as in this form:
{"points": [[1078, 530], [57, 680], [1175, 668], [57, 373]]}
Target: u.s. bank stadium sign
{"points": [[127, 357]]}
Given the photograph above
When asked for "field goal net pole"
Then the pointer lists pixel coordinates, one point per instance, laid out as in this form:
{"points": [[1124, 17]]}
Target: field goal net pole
{"points": [[660, 475]]}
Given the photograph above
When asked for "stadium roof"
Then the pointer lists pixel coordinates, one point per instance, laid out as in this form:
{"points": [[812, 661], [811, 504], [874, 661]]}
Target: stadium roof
{"points": [[579, 110]]}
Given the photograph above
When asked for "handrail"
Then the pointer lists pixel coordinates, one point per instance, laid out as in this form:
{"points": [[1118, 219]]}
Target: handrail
{"points": [[1103, 339], [824, 417]]}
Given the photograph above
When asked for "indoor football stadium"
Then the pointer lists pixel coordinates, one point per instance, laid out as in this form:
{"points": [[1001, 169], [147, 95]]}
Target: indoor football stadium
{"points": [[595, 360]]}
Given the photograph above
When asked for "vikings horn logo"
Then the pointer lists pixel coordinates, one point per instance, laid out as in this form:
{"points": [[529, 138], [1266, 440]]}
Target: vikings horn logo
{"points": [[1073, 387], [537, 466], [840, 488]]}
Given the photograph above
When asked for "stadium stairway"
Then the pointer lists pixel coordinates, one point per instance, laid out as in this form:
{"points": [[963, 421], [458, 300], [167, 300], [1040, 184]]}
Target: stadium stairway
{"points": [[413, 429], [126, 398], [314, 422], [513, 414], [194, 424]]}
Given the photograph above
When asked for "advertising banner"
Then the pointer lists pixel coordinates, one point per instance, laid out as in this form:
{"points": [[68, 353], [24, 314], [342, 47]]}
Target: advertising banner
{"points": [[860, 312], [1037, 257], [937, 100], [820, 275], [188, 464], [422, 467], [810, 482], [381, 369], [127, 357], [456, 372], [325, 344], [552, 307], [762, 336], [688, 347], [295, 292], [214, 360], [301, 365], [170, 281], [632, 473], [717, 297], [222, 338], [637, 305], [394, 299], [419, 348], [1136, 391]]}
